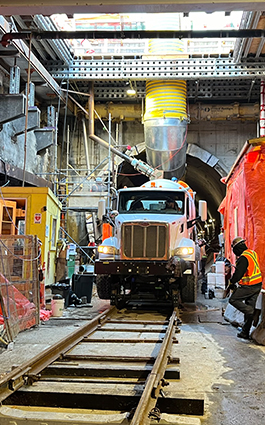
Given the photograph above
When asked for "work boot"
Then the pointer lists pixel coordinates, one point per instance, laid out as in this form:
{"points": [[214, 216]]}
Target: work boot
{"points": [[243, 335]]}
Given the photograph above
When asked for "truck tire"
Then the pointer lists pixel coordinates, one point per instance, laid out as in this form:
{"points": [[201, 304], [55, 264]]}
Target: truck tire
{"points": [[189, 292], [120, 303], [103, 283]]}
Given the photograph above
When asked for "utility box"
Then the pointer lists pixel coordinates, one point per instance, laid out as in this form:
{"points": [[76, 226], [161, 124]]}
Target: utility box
{"points": [[38, 214], [70, 258]]}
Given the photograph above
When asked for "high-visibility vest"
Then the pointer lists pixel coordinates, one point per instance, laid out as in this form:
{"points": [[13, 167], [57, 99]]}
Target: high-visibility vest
{"points": [[253, 273]]}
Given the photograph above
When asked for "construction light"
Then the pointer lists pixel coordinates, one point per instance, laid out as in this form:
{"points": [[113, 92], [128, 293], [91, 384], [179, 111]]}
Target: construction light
{"points": [[131, 91]]}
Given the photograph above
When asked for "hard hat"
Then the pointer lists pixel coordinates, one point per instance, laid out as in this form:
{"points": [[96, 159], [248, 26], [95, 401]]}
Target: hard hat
{"points": [[237, 240]]}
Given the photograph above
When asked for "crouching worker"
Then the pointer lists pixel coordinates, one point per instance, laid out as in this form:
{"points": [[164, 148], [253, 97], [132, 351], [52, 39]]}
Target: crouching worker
{"points": [[248, 277]]}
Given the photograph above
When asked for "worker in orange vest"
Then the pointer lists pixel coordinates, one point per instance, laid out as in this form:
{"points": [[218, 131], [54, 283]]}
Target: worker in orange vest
{"points": [[248, 277]]}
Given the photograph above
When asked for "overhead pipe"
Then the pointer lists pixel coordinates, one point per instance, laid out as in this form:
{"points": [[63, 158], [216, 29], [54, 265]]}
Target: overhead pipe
{"points": [[86, 145], [130, 34], [139, 165], [165, 125]]}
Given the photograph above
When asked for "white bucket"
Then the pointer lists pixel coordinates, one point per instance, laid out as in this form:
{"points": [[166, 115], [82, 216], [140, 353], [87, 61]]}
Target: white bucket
{"points": [[57, 307], [220, 267], [233, 315], [211, 278], [220, 279]]}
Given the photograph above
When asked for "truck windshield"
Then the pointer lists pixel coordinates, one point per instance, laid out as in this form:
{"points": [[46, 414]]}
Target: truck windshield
{"points": [[151, 201]]}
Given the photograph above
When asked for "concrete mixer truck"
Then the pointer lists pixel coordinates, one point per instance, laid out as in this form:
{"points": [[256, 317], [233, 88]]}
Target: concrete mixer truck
{"points": [[153, 254]]}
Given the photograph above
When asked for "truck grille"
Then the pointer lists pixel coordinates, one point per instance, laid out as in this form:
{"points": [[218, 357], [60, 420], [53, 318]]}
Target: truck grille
{"points": [[145, 241]]}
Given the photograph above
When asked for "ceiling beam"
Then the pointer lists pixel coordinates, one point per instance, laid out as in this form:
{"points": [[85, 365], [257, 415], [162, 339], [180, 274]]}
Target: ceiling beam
{"points": [[29, 7], [153, 69]]}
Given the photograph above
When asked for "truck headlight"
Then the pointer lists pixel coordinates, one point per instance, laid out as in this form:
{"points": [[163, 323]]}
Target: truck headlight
{"points": [[104, 249], [185, 250]]}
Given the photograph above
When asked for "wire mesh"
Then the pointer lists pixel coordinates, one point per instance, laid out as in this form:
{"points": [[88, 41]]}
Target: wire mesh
{"points": [[19, 284]]}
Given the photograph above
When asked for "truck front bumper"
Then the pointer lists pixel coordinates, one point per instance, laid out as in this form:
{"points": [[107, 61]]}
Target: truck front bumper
{"points": [[125, 267]]}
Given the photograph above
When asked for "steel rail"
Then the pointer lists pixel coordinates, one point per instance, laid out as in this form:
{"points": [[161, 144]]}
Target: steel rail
{"points": [[30, 369], [155, 380]]}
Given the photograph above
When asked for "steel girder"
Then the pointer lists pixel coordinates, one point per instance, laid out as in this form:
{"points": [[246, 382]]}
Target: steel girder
{"points": [[218, 90], [152, 69]]}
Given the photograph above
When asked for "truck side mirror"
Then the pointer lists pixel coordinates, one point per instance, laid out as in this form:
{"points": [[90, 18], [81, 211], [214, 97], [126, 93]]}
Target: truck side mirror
{"points": [[203, 210], [113, 214]]}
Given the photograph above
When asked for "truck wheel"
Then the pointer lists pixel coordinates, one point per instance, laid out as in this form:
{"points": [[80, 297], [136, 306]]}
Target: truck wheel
{"points": [[189, 292], [120, 303], [103, 283]]}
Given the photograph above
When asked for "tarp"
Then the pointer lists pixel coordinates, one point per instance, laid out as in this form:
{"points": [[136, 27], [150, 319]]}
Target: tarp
{"points": [[20, 311], [243, 206]]}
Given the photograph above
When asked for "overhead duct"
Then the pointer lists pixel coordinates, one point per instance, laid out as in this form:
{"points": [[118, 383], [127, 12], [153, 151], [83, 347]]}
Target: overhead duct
{"points": [[165, 119]]}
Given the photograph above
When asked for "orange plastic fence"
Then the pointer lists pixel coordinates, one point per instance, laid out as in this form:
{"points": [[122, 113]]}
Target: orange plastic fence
{"points": [[245, 198]]}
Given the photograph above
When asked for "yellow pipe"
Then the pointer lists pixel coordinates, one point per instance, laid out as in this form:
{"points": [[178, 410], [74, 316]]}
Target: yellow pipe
{"points": [[166, 99], [165, 119]]}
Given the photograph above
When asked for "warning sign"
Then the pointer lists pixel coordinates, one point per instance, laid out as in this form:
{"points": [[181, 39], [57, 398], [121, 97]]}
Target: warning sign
{"points": [[37, 218]]}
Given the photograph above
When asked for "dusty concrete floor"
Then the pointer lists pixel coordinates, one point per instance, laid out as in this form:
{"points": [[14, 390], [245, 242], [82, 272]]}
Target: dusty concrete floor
{"points": [[227, 371]]}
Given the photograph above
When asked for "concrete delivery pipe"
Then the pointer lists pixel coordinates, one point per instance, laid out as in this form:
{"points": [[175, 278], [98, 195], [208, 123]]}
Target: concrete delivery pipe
{"points": [[165, 119]]}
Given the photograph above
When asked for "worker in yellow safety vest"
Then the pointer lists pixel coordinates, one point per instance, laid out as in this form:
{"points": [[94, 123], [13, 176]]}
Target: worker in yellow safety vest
{"points": [[248, 278]]}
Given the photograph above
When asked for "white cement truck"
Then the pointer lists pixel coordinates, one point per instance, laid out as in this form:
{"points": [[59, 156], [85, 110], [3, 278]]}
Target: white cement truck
{"points": [[153, 253]]}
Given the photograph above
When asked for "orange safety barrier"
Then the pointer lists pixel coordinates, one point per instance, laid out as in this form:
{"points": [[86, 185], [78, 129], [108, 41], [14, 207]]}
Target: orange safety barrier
{"points": [[242, 207]]}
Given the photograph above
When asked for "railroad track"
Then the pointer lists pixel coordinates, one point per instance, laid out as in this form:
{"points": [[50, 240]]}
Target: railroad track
{"points": [[116, 369]]}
